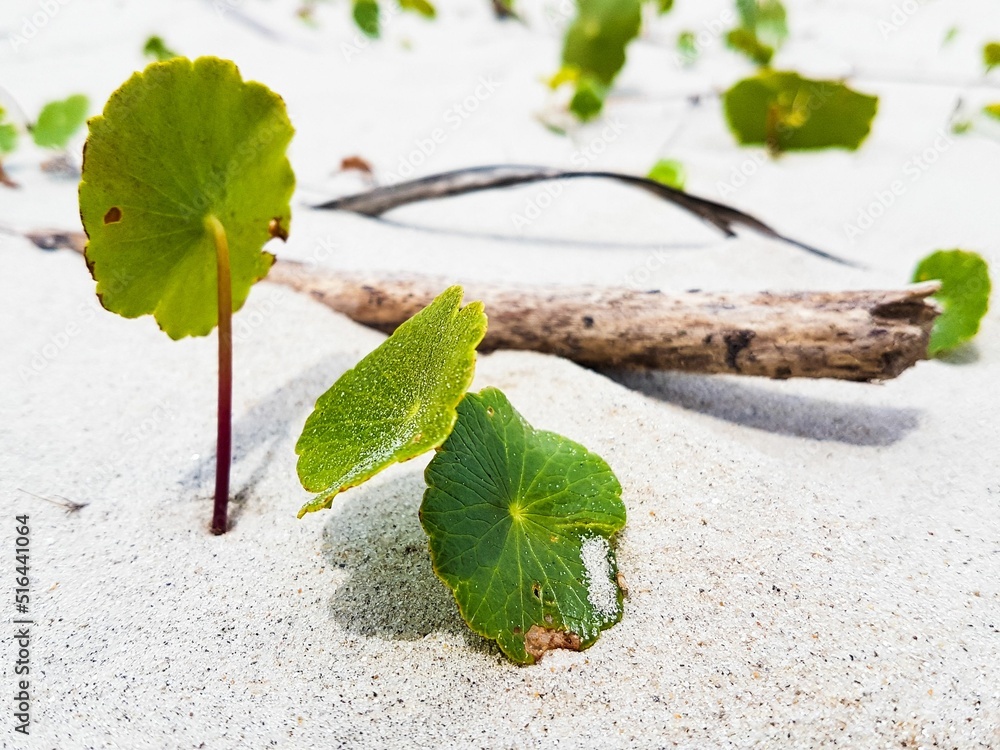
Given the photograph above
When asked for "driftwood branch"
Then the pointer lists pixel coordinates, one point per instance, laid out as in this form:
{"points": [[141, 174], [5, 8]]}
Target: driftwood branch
{"points": [[474, 179], [862, 336], [856, 335]]}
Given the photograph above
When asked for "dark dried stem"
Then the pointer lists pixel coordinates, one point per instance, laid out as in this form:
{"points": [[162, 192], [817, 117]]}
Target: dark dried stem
{"points": [[474, 179]]}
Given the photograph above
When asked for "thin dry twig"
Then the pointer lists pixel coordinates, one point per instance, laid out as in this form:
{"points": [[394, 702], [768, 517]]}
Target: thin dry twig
{"points": [[475, 179], [66, 504]]}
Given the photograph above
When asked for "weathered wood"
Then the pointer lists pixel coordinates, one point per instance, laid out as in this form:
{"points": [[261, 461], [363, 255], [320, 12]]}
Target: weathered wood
{"points": [[854, 335]]}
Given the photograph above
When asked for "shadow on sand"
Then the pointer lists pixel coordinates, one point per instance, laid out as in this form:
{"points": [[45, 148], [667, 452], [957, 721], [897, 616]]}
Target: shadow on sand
{"points": [[392, 591], [749, 405], [268, 423]]}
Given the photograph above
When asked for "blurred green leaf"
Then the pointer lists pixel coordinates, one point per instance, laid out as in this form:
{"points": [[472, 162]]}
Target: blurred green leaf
{"points": [[787, 112], [366, 16], [669, 172], [991, 55], [8, 134], [156, 49], [521, 523], [395, 404], [595, 48], [179, 145], [746, 42], [59, 120], [687, 47], [993, 110], [596, 41], [422, 7], [964, 295], [588, 99], [763, 28], [664, 6]]}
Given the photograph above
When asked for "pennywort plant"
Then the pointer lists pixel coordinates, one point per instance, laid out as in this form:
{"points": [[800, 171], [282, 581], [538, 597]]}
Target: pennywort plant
{"points": [[57, 123], [521, 521], [787, 112], [964, 296], [185, 179]]}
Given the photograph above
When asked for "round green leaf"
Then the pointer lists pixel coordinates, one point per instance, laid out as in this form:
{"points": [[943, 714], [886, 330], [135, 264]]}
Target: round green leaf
{"points": [[58, 121], [964, 295], [588, 99], [669, 172], [179, 143], [396, 403], [787, 112], [596, 40], [520, 524]]}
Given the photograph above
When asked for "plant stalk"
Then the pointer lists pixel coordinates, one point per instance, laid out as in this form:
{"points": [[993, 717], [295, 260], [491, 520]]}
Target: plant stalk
{"points": [[224, 439]]}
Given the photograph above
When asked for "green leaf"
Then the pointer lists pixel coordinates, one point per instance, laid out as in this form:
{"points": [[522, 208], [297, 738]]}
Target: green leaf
{"points": [[177, 144], [664, 6], [746, 42], [669, 172], [157, 49], [8, 138], [521, 523], [8, 134], [395, 404], [964, 295], [993, 110], [991, 55], [596, 40], [366, 16], [787, 112], [422, 7], [58, 121], [763, 29], [687, 47], [767, 19], [588, 99]]}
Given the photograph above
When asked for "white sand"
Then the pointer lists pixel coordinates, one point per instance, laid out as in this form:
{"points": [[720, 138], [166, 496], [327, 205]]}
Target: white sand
{"points": [[810, 563]]}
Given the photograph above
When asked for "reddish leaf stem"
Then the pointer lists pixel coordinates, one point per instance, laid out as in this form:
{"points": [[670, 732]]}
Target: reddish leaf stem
{"points": [[224, 440]]}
